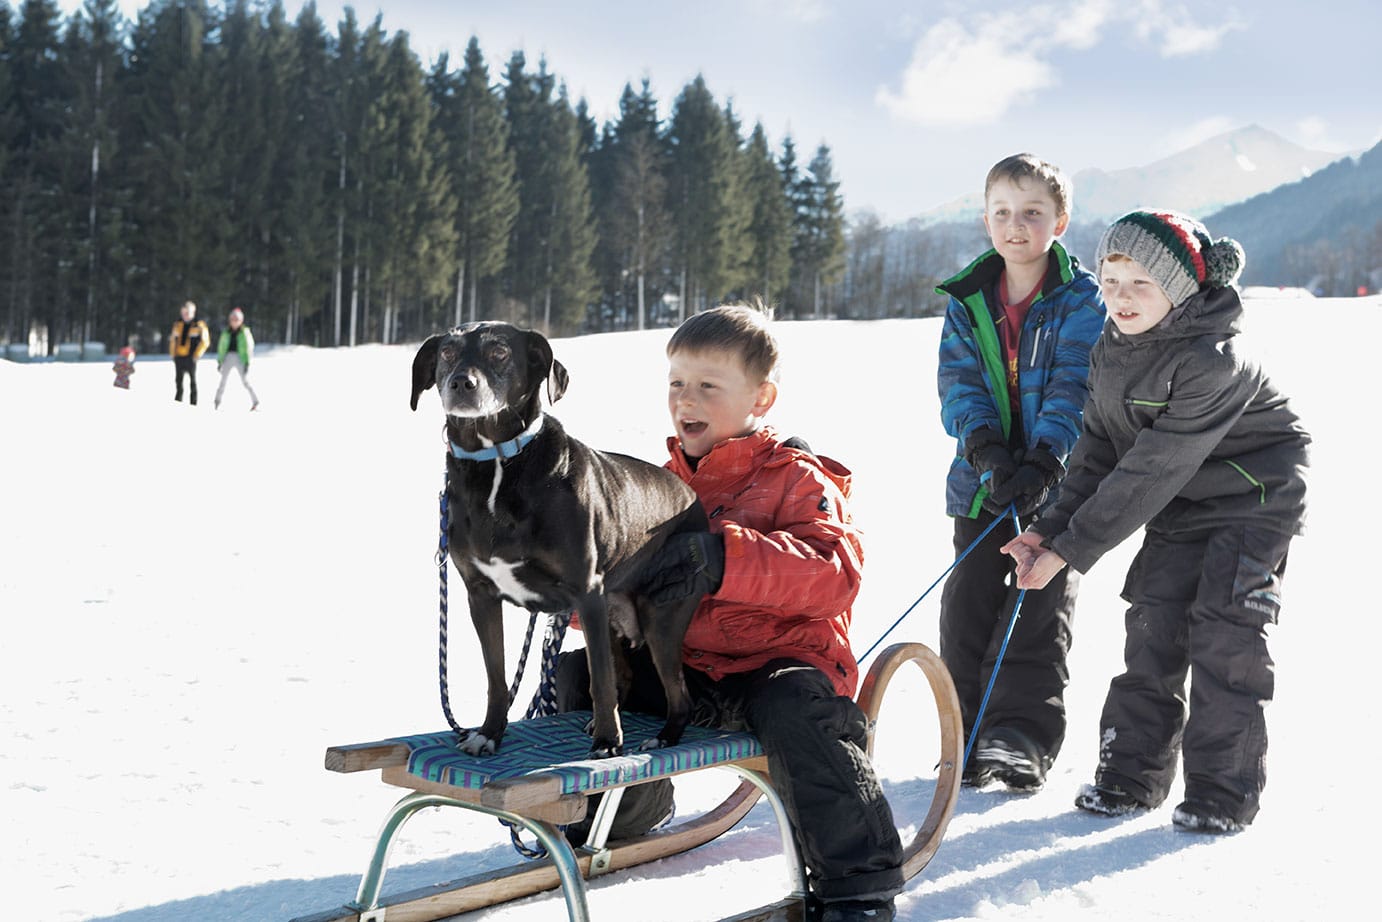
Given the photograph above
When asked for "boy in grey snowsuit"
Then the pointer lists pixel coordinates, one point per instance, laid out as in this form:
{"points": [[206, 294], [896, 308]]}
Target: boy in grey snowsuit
{"points": [[1186, 436]]}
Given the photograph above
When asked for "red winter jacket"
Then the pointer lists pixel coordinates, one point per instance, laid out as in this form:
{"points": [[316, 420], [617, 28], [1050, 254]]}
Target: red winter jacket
{"points": [[793, 559]]}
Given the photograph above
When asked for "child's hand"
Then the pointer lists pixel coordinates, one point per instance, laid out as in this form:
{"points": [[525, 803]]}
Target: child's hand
{"points": [[1042, 570], [1036, 565], [1024, 549]]}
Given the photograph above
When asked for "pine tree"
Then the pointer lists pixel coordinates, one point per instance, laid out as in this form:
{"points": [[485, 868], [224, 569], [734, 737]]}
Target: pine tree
{"points": [[550, 249], [739, 243], [700, 182], [306, 178], [92, 59], [799, 194], [37, 226], [770, 224], [251, 78], [415, 247], [171, 128], [570, 274], [482, 169], [9, 132], [635, 229], [822, 227]]}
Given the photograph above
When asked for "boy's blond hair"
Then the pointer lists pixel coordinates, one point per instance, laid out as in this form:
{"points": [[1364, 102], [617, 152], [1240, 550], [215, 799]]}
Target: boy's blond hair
{"points": [[740, 328], [1020, 168]]}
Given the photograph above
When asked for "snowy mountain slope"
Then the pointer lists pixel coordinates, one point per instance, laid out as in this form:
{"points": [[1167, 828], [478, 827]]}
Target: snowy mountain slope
{"points": [[1200, 180]]}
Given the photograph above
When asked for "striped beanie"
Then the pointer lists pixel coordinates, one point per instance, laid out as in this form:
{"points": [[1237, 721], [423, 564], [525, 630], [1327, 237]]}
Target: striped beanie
{"points": [[1176, 251]]}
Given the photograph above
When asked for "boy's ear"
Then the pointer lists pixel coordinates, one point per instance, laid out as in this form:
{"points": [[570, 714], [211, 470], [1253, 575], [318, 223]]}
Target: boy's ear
{"points": [[1062, 223], [767, 396]]}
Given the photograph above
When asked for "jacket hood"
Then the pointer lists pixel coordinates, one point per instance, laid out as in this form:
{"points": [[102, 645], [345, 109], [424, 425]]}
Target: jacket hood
{"points": [[1214, 311]]}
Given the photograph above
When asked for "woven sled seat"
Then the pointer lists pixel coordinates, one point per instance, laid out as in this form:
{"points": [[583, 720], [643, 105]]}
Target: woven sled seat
{"points": [[559, 746], [542, 762]]}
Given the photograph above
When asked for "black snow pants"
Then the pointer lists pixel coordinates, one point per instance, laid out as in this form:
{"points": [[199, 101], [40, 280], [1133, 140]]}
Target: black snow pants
{"points": [[185, 365], [976, 608], [814, 740], [1200, 604]]}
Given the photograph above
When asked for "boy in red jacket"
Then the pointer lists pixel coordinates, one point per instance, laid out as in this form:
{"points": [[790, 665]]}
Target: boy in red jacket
{"points": [[768, 648]]}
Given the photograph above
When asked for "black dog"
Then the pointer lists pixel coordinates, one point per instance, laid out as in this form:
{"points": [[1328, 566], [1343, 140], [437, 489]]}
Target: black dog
{"points": [[544, 522]]}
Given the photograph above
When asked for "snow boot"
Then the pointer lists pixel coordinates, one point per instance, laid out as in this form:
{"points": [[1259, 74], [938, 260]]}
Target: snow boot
{"points": [[859, 911], [1107, 800], [1011, 757], [1197, 816]]}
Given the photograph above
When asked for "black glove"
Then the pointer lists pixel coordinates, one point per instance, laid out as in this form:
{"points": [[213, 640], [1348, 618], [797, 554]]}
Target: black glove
{"points": [[1028, 488], [988, 453], [689, 564]]}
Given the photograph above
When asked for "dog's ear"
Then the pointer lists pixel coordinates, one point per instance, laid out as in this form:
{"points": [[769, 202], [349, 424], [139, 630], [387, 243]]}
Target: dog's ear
{"points": [[542, 366], [556, 382], [425, 366]]}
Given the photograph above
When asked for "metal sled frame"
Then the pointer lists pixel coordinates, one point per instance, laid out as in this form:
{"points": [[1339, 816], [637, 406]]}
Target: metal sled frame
{"points": [[542, 795]]}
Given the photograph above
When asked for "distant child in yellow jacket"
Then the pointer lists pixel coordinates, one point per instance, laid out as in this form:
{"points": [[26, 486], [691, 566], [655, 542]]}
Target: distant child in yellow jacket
{"points": [[188, 342]]}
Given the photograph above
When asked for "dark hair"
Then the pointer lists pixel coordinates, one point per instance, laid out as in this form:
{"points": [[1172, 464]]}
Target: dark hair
{"points": [[1020, 167], [740, 328]]}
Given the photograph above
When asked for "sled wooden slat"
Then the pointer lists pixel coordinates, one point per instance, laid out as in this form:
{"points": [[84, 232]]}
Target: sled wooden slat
{"points": [[541, 778]]}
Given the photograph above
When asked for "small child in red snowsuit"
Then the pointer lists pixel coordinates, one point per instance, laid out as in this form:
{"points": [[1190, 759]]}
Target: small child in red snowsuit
{"points": [[124, 367]]}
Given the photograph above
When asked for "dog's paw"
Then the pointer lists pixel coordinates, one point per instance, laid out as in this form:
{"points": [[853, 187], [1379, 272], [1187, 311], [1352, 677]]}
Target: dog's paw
{"points": [[476, 743], [652, 743], [606, 750]]}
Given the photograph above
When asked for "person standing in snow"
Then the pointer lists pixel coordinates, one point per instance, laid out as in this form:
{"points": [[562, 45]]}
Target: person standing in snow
{"points": [[124, 367], [1185, 435], [233, 353], [186, 344], [1014, 358]]}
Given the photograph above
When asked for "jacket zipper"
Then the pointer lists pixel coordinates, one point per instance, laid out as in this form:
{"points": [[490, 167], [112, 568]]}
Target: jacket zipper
{"points": [[1036, 342]]}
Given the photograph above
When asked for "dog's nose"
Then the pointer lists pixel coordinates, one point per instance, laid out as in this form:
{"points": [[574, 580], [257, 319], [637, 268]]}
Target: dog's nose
{"points": [[465, 379]]}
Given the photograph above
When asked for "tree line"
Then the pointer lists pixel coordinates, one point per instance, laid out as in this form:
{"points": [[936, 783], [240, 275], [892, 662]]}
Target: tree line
{"points": [[341, 191]]}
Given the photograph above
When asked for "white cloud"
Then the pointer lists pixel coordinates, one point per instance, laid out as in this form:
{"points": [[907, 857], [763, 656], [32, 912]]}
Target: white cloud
{"points": [[1179, 31], [971, 74], [958, 77]]}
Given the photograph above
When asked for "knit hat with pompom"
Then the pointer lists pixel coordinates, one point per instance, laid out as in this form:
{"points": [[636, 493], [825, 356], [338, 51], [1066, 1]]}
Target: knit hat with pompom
{"points": [[1176, 250]]}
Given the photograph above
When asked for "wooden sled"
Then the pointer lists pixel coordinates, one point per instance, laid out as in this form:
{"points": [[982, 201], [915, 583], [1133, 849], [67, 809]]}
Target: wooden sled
{"points": [[541, 778]]}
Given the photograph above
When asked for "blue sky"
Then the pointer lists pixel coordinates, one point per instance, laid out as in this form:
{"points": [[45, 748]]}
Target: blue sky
{"points": [[916, 100]]}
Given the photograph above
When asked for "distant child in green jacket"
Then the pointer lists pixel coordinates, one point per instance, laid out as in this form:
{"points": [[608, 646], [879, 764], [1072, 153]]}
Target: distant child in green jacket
{"points": [[233, 353], [1185, 435]]}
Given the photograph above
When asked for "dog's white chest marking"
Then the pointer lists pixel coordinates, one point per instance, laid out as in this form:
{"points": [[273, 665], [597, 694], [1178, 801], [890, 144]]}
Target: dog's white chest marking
{"points": [[501, 573]]}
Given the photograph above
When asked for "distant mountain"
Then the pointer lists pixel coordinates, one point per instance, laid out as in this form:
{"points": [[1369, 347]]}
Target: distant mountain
{"points": [[1321, 226], [1221, 171]]}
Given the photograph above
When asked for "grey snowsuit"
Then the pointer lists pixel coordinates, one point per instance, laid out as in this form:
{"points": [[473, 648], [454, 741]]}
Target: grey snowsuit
{"points": [[1186, 436]]}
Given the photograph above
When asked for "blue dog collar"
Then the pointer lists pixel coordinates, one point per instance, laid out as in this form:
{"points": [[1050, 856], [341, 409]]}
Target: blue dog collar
{"points": [[501, 450]]}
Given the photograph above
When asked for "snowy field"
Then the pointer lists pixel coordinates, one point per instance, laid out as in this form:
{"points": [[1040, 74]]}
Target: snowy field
{"points": [[197, 603]]}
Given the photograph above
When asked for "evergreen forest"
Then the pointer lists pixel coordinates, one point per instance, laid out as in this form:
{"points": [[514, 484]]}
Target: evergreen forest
{"points": [[340, 190]]}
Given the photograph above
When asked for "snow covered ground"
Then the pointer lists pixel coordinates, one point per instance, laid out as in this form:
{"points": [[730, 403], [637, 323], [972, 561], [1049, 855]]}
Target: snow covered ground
{"points": [[197, 603]]}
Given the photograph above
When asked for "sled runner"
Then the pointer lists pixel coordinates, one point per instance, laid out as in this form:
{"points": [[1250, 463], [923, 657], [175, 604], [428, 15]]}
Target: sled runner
{"points": [[541, 776]]}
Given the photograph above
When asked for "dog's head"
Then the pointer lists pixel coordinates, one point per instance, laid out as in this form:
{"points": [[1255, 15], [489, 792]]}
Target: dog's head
{"points": [[483, 369]]}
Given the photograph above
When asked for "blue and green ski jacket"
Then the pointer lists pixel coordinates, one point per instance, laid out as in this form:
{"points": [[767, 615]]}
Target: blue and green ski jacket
{"points": [[1062, 325]]}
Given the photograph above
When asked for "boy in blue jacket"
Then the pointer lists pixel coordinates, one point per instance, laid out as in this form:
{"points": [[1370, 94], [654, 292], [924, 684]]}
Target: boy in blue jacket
{"points": [[1014, 362]]}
